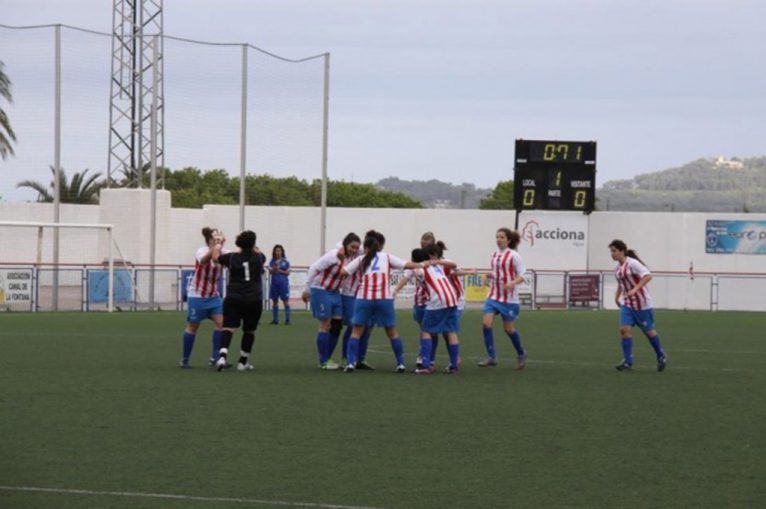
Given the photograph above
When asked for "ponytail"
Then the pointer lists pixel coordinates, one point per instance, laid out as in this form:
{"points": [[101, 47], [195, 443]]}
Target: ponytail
{"points": [[371, 248], [632, 254], [207, 232]]}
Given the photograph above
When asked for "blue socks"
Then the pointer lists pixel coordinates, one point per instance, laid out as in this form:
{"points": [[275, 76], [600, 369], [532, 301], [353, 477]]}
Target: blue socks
{"points": [[188, 345], [434, 346], [454, 354], [425, 351], [655, 342], [216, 344], [287, 314], [275, 313], [627, 350], [323, 339], [398, 348], [489, 342], [364, 341], [353, 350], [516, 340], [344, 344]]}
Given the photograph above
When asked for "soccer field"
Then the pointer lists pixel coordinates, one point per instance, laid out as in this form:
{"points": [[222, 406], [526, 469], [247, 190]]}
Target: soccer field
{"points": [[96, 413]]}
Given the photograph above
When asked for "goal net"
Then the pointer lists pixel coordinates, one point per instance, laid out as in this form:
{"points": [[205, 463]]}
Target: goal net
{"points": [[61, 267]]}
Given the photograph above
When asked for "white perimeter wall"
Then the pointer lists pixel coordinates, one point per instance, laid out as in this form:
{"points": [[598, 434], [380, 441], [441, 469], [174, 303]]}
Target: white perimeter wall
{"points": [[550, 240]]}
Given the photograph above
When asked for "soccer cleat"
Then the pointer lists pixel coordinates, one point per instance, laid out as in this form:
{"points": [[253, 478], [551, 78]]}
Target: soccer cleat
{"points": [[488, 362], [220, 364], [364, 366], [662, 362], [349, 368], [184, 364], [451, 370], [521, 362], [423, 371], [329, 366], [624, 365], [245, 367], [273, 322], [418, 362], [400, 368]]}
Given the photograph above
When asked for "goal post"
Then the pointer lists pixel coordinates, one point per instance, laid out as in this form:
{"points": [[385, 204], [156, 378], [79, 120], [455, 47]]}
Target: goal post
{"points": [[28, 250]]}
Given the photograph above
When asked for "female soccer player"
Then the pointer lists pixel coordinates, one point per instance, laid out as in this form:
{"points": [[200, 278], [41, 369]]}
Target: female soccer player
{"points": [[635, 303], [374, 300], [244, 297], [348, 290], [204, 300], [279, 268], [440, 315], [323, 289], [420, 298], [506, 271]]}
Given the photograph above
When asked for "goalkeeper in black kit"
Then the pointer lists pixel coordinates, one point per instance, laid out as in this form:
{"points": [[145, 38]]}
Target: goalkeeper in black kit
{"points": [[244, 297]]}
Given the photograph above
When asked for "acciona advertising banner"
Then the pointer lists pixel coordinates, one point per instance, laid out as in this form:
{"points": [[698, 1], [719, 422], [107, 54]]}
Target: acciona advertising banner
{"points": [[554, 240], [741, 237]]}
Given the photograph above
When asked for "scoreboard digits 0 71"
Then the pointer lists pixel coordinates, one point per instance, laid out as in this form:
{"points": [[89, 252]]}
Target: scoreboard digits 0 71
{"points": [[555, 175]]}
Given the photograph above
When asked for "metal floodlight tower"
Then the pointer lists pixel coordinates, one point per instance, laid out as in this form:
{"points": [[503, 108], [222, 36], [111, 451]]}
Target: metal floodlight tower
{"points": [[135, 62]]}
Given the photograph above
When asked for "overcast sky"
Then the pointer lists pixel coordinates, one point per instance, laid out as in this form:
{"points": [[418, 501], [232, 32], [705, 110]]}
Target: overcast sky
{"points": [[440, 89]]}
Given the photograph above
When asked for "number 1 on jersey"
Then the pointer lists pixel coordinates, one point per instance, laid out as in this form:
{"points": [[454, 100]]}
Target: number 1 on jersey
{"points": [[246, 266]]}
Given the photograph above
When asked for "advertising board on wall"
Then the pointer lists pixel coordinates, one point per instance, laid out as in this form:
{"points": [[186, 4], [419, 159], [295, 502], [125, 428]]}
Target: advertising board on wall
{"points": [[15, 286], [735, 237], [553, 241]]}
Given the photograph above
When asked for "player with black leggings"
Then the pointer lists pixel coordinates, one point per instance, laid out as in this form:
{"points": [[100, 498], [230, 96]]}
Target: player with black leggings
{"points": [[244, 297]]}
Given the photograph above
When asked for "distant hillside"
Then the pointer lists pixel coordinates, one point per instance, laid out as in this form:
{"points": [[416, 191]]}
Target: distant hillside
{"points": [[435, 193], [704, 185]]}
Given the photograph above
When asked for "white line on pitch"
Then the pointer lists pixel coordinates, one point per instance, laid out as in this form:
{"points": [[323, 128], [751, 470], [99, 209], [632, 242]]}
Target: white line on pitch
{"points": [[169, 496]]}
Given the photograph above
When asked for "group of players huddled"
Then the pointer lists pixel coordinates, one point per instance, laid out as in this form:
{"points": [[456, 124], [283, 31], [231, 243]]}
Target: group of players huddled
{"points": [[350, 286]]}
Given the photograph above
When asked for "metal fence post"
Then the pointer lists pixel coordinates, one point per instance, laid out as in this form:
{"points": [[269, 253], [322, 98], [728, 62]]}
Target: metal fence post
{"points": [[243, 140], [56, 165], [325, 128]]}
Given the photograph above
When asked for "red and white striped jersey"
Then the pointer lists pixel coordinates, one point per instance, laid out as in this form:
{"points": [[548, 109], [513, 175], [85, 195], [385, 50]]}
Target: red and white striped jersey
{"points": [[204, 281], [421, 291], [457, 283], [325, 272], [628, 275], [350, 285], [505, 266], [441, 291], [376, 280]]}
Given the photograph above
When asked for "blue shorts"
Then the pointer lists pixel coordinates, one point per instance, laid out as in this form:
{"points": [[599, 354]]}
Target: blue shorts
{"points": [[326, 305], [508, 310], [201, 308], [632, 317], [417, 314], [376, 312], [279, 290], [437, 321]]}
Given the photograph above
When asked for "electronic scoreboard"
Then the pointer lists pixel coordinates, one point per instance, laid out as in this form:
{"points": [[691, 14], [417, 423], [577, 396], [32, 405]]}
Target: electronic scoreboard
{"points": [[555, 175]]}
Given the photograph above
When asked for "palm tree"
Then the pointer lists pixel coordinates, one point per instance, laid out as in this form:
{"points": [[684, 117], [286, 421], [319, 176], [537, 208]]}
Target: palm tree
{"points": [[6, 131], [81, 189]]}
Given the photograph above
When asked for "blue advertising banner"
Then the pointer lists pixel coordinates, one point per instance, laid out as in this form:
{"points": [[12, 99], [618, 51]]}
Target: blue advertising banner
{"points": [[98, 286], [735, 237]]}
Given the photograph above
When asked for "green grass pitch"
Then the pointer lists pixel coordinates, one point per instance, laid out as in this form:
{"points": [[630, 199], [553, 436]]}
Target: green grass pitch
{"points": [[96, 402]]}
